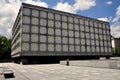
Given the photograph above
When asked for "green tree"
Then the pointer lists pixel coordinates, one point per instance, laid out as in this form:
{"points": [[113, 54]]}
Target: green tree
{"points": [[116, 51], [5, 47]]}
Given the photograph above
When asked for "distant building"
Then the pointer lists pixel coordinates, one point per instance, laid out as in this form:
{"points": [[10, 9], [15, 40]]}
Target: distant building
{"points": [[41, 32], [115, 42]]}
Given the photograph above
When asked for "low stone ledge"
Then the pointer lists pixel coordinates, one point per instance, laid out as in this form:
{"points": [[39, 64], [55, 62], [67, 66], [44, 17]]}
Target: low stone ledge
{"points": [[111, 63]]}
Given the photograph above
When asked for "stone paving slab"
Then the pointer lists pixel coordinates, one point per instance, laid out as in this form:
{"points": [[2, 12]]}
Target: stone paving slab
{"points": [[61, 72], [1, 73]]}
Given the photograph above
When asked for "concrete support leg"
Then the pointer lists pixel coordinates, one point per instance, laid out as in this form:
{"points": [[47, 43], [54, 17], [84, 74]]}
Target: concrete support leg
{"points": [[24, 61]]}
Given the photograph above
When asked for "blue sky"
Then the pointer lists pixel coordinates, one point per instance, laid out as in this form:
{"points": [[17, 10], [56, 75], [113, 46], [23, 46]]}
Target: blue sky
{"points": [[106, 10]]}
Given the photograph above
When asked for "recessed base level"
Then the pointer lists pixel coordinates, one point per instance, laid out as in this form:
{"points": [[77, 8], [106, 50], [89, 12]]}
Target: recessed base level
{"points": [[51, 59]]}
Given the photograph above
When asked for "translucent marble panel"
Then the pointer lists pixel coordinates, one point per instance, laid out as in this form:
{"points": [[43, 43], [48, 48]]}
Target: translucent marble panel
{"points": [[100, 25], [88, 49], [57, 24], [100, 31], [42, 47], [50, 47], [97, 49], [50, 23], [101, 43], [25, 37], [105, 43], [64, 18], [77, 34], [77, 41], [93, 49], [104, 31], [34, 38], [64, 33], [26, 28], [34, 46], [57, 16], [26, 19], [65, 40], [25, 46], [58, 39], [87, 35], [35, 13], [58, 47], [26, 11], [101, 37], [91, 23], [110, 49], [76, 27], [35, 21], [34, 29], [91, 29], [81, 21], [71, 40], [57, 31], [96, 30], [81, 28], [97, 43], [86, 28], [43, 14], [71, 33], [70, 26], [96, 36], [92, 36], [88, 42], [86, 22], [65, 48], [102, 50], [64, 25], [82, 42], [42, 38], [83, 48], [77, 48], [71, 48], [92, 42], [105, 49], [70, 19], [82, 34], [50, 39], [50, 16], [95, 24], [43, 22], [51, 31], [76, 20], [43, 30]]}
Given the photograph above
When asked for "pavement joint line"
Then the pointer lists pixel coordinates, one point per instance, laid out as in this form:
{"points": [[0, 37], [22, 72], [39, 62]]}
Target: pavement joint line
{"points": [[53, 73], [23, 75]]}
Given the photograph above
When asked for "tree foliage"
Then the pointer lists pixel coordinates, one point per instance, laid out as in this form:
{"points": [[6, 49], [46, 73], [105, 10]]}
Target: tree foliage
{"points": [[116, 51], [5, 47]]}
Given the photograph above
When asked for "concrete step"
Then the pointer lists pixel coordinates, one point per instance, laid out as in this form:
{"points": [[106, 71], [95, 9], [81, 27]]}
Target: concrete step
{"points": [[1, 73], [8, 73]]}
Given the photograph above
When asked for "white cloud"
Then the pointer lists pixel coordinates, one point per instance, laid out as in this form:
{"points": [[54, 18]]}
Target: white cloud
{"points": [[117, 16], [115, 27], [108, 2], [107, 19], [37, 2], [9, 11], [83, 4], [64, 7], [115, 30], [78, 5]]}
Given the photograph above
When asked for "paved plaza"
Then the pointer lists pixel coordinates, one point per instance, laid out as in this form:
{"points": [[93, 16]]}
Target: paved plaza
{"points": [[60, 72]]}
